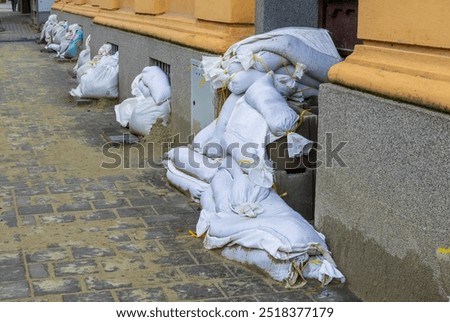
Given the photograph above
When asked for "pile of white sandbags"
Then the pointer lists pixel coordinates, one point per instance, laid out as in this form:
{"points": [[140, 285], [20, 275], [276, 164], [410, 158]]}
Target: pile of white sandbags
{"points": [[227, 169], [97, 77], [151, 102], [60, 37]]}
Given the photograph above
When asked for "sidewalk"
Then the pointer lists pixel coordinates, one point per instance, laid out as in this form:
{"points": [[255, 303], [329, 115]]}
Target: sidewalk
{"points": [[71, 230], [15, 26]]}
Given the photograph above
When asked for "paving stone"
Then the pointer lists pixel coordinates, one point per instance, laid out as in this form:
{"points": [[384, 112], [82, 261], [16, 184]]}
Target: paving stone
{"points": [[138, 248], [47, 168], [103, 186], [12, 273], [57, 219], [147, 201], [47, 255], [158, 232], [284, 297], [56, 286], [136, 212], [113, 178], [87, 196], [131, 193], [164, 220], [28, 220], [90, 252], [78, 180], [206, 271], [10, 258], [142, 295], [100, 215], [192, 291], [175, 259], [14, 290], [103, 296], [102, 284], [37, 270], [119, 239], [126, 225], [65, 188], [8, 218], [245, 286], [35, 190], [182, 243], [107, 204], [174, 210], [75, 268], [37, 209], [79, 206]]}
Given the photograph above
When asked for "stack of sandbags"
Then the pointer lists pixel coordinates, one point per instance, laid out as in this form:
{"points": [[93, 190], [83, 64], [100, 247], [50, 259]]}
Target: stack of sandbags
{"points": [[151, 102], [299, 57], [58, 32], [227, 168], [99, 79]]}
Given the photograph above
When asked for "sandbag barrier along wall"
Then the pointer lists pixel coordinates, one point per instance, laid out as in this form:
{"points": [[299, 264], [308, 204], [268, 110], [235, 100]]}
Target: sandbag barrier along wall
{"points": [[229, 166]]}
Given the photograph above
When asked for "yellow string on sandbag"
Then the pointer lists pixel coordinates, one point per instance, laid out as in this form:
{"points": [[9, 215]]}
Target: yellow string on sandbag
{"points": [[300, 121], [194, 234]]}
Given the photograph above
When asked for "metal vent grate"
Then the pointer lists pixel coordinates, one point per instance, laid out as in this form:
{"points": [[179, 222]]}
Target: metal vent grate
{"points": [[114, 48], [164, 66]]}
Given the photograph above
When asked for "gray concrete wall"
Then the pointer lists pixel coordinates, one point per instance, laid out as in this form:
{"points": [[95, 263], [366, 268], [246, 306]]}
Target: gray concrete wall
{"points": [[135, 52], [386, 215], [273, 14]]}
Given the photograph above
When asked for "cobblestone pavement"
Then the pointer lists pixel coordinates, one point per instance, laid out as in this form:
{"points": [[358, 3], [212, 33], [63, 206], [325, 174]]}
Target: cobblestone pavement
{"points": [[71, 230], [15, 26]]}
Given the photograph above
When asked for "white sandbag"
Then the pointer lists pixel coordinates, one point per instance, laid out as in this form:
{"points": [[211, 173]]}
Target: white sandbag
{"points": [[298, 145], [264, 61], [84, 56], [146, 113], [322, 269], [285, 85], [214, 148], [138, 87], [264, 98], [301, 77], [245, 197], [157, 82], [46, 32], [221, 186], [71, 42], [245, 134], [58, 31], [125, 109], [316, 38], [202, 138], [185, 182], [234, 68], [54, 47], [193, 163], [100, 81], [242, 80], [296, 51], [103, 52], [279, 270], [279, 230], [214, 73]]}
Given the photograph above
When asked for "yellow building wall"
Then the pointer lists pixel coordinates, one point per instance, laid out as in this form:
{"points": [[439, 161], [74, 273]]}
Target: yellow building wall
{"points": [[199, 24]]}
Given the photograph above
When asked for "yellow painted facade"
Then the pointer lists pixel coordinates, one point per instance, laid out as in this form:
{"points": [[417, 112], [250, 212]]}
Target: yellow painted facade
{"points": [[191, 23], [405, 54]]}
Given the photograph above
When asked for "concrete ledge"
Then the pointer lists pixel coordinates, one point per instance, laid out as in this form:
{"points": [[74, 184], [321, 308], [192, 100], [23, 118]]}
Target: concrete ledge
{"points": [[385, 215]]}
